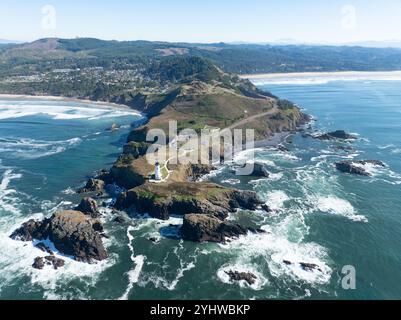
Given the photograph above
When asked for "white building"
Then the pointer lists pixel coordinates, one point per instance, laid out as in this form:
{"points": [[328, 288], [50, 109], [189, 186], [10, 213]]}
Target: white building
{"points": [[158, 175]]}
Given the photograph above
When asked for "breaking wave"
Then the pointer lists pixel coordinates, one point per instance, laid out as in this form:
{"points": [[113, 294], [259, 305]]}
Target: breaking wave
{"points": [[26, 148], [19, 109], [324, 78]]}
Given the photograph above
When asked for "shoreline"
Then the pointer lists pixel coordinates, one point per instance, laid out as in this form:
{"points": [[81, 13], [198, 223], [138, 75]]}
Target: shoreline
{"points": [[275, 141], [323, 74], [67, 99]]}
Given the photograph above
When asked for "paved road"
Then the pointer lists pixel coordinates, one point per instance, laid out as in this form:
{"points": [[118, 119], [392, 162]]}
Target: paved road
{"points": [[272, 111]]}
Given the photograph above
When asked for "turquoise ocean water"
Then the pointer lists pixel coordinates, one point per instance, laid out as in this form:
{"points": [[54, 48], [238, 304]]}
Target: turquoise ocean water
{"points": [[319, 215]]}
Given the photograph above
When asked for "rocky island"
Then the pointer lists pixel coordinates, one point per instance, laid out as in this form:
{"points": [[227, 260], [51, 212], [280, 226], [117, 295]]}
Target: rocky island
{"points": [[72, 232]]}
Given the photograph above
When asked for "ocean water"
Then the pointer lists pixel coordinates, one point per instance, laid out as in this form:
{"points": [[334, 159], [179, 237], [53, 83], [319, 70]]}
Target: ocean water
{"points": [[319, 215]]}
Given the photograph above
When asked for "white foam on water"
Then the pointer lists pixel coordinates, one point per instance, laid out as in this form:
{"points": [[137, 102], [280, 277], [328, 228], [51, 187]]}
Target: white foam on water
{"points": [[8, 175], [181, 271], [11, 110], [244, 156], [212, 174], [370, 168], [276, 199], [274, 248], [69, 190], [324, 78], [231, 181], [275, 176], [138, 261], [17, 257], [33, 149], [387, 146], [7, 201], [266, 162], [260, 281], [334, 205]]}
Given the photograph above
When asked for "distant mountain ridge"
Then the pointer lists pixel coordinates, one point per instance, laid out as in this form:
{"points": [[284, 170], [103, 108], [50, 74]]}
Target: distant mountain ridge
{"points": [[236, 58], [4, 41]]}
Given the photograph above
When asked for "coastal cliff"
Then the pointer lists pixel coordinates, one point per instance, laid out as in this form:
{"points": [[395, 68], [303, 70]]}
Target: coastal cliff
{"points": [[202, 96], [199, 101]]}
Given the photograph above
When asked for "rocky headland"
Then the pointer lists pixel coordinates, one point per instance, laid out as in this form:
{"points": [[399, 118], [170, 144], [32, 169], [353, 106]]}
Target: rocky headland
{"points": [[205, 98]]}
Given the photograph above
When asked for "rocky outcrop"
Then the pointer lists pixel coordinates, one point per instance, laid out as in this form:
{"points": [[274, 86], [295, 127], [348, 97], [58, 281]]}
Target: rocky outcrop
{"points": [[250, 278], [266, 208], [357, 166], [93, 185], [197, 171], [259, 170], [339, 134], [40, 262], [119, 220], [30, 230], [136, 149], [128, 174], [44, 248], [304, 265], [162, 200], [282, 148], [208, 228], [89, 206], [72, 233], [245, 200]]}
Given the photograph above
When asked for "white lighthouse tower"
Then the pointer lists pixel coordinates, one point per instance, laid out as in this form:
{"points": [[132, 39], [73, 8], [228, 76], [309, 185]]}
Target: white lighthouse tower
{"points": [[158, 175]]}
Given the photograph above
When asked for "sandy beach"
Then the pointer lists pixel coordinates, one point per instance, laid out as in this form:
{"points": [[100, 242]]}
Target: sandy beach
{"points": [[322, 74]]}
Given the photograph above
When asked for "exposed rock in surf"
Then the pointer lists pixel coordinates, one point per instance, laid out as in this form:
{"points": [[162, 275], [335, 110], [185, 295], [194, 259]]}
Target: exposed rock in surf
{"points": [[89, 207], [249, 277], [154, 240], [304, 265], [344, 148], [245, 199], [44, 248], [197, 171], [266, 208], [339, 134], [119, 220], [30, 230], [40, 262], [72, 233], [356, 166], [136, 149], [114, 127], [208, 228], [259, 170], [93, 185], [282, 148], [309, 266]]}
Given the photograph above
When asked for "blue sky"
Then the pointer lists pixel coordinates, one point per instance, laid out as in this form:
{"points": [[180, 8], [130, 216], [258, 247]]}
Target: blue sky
{"points": [[333, 21]]}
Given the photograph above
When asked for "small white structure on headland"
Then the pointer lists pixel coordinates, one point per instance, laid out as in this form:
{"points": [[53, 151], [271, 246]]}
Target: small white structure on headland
{"points": [[158, 174]]}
